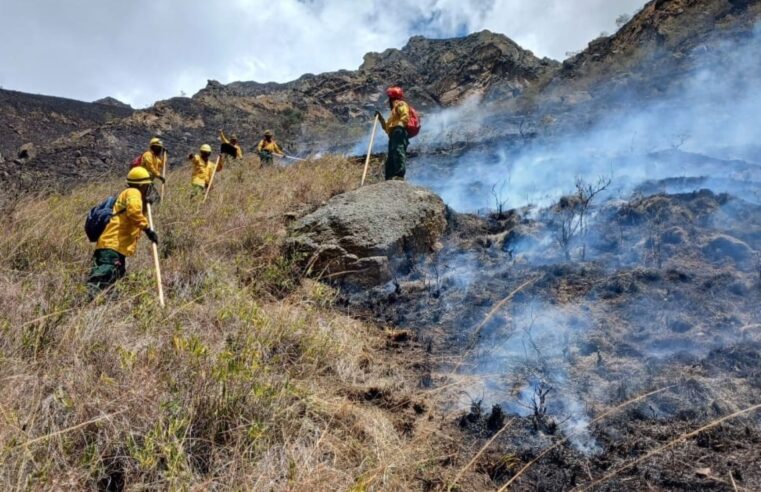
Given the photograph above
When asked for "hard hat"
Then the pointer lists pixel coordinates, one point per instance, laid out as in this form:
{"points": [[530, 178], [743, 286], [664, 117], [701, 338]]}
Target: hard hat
{"points": [[267, 133], [156, 142], [395, 92], [233, 138], [206, 148], [138, 176]]}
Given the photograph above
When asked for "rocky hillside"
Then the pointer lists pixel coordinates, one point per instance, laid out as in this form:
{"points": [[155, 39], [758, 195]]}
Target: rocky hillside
{"points": [[654, 52], [315, 112], [651, 55], [34, 119]]}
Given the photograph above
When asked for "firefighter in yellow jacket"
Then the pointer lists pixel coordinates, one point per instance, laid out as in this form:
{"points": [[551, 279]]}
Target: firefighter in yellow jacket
{"points": [[202, 167], [268, 147], [396, 128], [153, 159], [119, 238], [232, 141]]}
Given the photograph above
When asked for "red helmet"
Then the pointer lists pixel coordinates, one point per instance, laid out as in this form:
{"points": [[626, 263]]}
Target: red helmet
{"points": [[395, 92]]}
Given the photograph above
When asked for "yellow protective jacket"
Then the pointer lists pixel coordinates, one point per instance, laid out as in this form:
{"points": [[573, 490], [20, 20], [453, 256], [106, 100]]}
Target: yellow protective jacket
{"points": [[201, 171], [400, 115], [153, 163], [238, 149], [270, 146], [126, 225]]}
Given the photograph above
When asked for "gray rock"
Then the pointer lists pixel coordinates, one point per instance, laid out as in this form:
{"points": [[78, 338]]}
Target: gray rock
{"points": [[361, 236]]}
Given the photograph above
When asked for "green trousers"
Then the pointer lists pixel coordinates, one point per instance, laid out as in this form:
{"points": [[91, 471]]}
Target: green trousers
{"points": [[265, 157], [396, 159], [108, 266]]}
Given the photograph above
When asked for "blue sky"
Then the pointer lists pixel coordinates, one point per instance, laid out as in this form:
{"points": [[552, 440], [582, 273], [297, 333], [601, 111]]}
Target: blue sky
{"points": [[140, 51]]}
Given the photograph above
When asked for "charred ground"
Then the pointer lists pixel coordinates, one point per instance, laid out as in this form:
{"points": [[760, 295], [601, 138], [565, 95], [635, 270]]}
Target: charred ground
{"points": [[665, 297]]}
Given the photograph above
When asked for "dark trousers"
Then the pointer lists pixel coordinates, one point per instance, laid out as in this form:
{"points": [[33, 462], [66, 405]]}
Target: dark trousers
{"points": [[108, 266], [396, 160], [265, 157]]}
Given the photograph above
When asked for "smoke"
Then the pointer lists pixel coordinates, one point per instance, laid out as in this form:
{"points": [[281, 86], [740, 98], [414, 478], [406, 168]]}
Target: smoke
{"points": [[667, 285], [533, 348], [704, 129]]}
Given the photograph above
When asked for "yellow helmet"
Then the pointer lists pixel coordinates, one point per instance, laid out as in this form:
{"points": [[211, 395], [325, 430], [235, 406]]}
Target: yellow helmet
{"points": [[138, 176], [156, 142], [267, 133], [206, 148]]}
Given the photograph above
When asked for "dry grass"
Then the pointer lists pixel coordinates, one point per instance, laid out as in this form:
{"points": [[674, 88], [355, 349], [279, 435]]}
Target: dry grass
{"points": [[245, 381]]}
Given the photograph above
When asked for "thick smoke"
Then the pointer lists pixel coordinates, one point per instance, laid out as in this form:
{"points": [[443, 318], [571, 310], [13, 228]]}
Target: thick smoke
{"points": [[712, 114]]}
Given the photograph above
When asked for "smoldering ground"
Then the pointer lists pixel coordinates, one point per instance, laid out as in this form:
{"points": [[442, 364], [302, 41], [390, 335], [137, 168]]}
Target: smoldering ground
{"points": [[555, 306]]}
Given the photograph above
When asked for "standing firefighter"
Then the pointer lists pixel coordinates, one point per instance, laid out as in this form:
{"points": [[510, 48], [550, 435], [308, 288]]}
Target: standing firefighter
{"points": [[233, 141], [119, 237], [268, 147], [397, 128], [201, 169], [153, 160]]}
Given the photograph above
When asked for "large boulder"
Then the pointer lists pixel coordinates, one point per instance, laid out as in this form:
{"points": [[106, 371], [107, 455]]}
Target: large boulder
{"points": [[362, 236]]}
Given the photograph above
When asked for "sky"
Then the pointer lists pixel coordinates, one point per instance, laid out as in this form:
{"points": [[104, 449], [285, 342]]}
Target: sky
{"points": [[140, 51]]}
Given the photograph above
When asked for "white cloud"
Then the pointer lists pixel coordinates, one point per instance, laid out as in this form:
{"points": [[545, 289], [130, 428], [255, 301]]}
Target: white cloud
{"points": [[140, 50]]}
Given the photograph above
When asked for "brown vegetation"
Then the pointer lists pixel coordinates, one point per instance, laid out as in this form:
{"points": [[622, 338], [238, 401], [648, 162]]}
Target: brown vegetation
{"points": [[248, 380]]}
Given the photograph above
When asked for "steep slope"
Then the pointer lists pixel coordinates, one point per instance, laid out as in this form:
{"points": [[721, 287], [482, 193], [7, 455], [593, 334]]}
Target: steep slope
{"points": [[315, 112], [653, 53], [692, 59], [35, 119]]}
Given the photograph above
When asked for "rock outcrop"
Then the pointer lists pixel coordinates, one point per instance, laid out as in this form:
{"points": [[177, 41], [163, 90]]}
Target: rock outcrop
{"points": [[363, 236]]}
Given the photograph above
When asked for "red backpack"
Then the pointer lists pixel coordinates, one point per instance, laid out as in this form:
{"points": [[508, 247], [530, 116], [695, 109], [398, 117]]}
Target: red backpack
{"points": [[138, 160], [413, 124]]}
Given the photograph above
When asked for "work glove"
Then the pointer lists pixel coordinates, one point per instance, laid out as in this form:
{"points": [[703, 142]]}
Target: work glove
{"points": [[379, 115], [190, 156], [161, 178], [152, 235]]}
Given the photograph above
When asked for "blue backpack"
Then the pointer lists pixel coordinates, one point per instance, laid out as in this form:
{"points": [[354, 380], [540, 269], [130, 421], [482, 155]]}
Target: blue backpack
{"points": [[99, 217]]}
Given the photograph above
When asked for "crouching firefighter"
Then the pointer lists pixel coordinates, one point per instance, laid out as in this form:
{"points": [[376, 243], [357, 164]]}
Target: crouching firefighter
{"points": [[116, 225]]}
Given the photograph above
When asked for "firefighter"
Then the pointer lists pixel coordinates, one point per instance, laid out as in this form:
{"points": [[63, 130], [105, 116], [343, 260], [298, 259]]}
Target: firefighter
{"points": [[268, 147], [396, 128], [202, 167], [120, 236], [153, 159], [232, 141]]}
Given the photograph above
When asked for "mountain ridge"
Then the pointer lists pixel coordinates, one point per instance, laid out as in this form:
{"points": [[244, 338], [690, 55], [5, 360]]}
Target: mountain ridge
{"points": [[331, 111]]}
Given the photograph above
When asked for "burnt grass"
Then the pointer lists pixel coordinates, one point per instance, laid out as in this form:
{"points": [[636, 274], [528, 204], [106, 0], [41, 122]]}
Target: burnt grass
{"points": [[665, 297]]}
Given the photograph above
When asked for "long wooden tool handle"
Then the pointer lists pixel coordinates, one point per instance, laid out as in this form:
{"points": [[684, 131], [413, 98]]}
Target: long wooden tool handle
{"points": [[156, 261], [163, 174], [369, 150], [211, 180]]}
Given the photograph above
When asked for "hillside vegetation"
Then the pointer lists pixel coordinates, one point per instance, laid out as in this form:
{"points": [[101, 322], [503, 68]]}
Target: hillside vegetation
{"points": [[249, 379]]}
